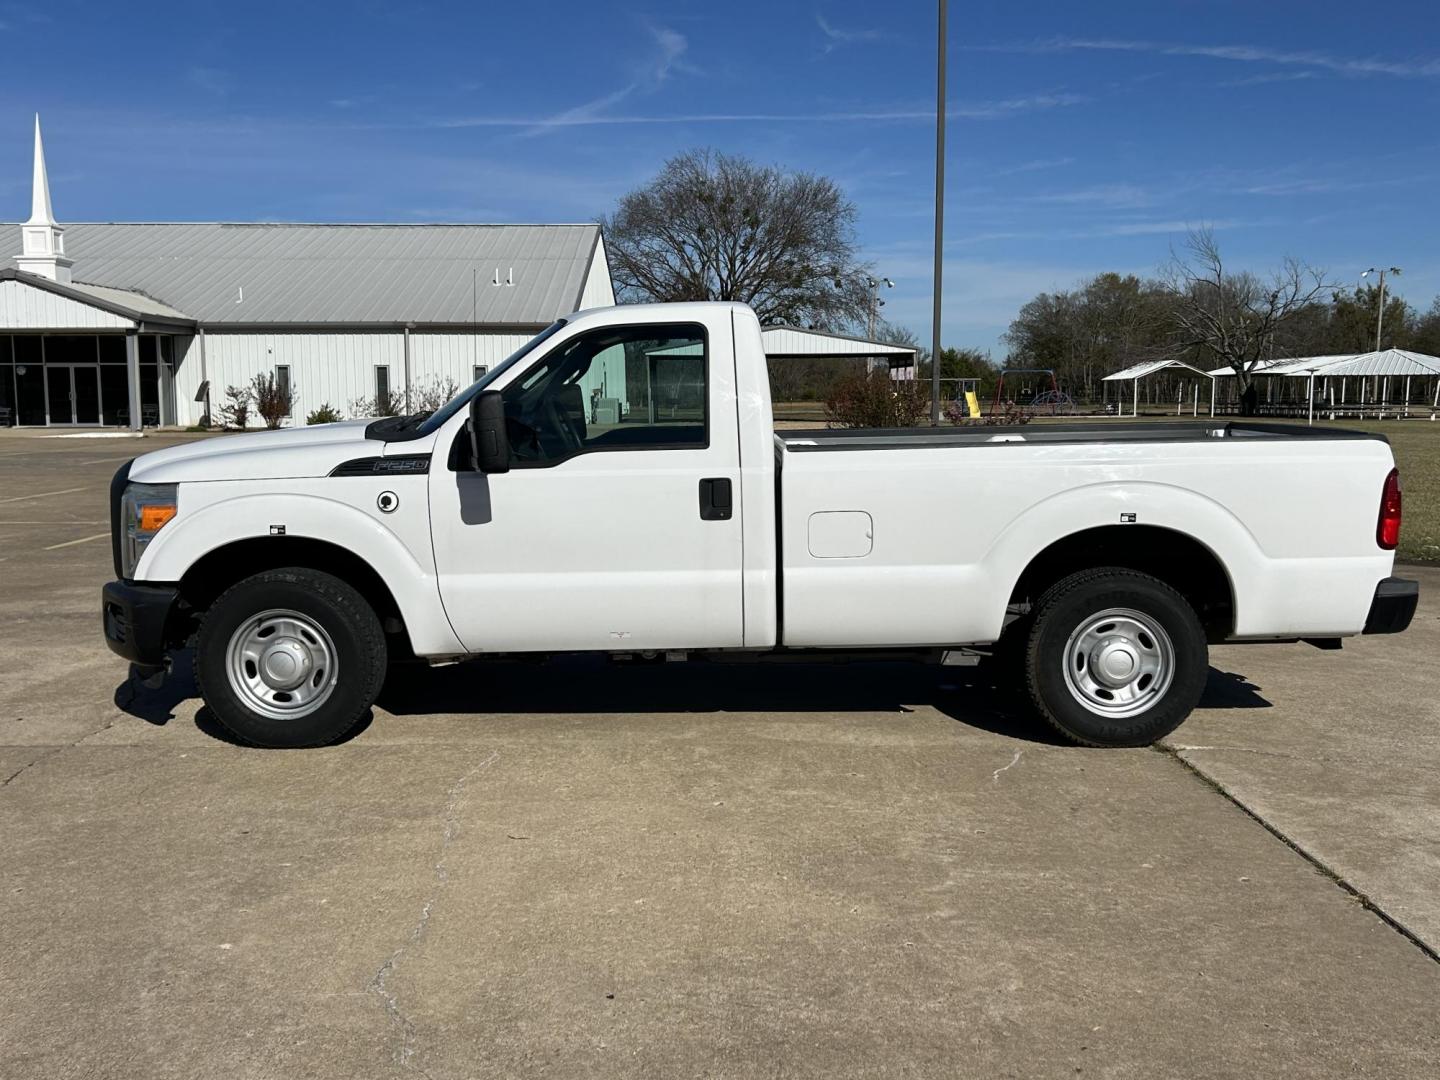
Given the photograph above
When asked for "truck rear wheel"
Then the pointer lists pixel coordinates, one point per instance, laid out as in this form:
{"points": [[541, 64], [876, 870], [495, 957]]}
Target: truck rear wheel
{"points": [[290, 658], [1115, 658]]}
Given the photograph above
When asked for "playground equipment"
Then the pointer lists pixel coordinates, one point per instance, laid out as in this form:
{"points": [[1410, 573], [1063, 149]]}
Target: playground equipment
{"points": [[1055, 400]]}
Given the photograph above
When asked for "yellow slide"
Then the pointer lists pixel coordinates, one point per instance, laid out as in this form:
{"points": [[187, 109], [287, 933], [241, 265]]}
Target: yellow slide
{"points": [[972, 402]]}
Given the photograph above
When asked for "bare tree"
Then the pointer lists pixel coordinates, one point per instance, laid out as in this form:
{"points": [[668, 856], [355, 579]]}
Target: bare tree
{"points": [[1234, 318], [715, 227]]}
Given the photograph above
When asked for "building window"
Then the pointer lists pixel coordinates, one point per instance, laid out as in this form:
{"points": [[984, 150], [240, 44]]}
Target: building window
{"points": [[382, 388], [282, 385], [480, 371]]}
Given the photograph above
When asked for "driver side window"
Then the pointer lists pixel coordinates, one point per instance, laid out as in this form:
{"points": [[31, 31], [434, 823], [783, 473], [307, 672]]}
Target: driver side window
{"points": [[616, 388]]}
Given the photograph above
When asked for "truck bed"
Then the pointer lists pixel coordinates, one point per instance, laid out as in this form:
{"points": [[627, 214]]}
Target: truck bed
{"points": [[1097, 431], [924, 543]]}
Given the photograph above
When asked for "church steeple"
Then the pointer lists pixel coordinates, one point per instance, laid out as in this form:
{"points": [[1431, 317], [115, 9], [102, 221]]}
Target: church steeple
{"points": [[42, 240]]}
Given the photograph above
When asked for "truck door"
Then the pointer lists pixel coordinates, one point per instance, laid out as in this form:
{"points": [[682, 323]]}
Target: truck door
{"points": [[618, 524]]}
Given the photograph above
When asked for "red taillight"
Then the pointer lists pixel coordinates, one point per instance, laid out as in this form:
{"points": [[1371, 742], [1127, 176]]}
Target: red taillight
{"points": [[1387, 531]]}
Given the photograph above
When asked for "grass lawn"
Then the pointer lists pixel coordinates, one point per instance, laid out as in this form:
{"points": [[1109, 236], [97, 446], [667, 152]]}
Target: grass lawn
{"points": [[1415, 442]]}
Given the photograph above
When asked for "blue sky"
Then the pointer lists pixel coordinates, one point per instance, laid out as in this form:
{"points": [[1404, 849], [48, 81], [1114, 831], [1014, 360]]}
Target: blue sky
{"points": [[1083, 136]]}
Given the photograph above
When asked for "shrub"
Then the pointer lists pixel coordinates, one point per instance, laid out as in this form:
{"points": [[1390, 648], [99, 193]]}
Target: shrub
{"points": [[325, 414], [235, 413], [429, 396], [875, 401], [272, 401], [390, 405]]}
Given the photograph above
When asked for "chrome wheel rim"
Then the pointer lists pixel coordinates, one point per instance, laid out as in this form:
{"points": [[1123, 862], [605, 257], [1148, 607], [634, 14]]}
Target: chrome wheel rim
{"points": [[1119, 662], [281, 664]]}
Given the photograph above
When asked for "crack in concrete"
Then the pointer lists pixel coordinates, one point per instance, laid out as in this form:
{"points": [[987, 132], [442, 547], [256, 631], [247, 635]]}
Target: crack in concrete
{"points": [[30, 764], [380, 983], [1323, 868]]}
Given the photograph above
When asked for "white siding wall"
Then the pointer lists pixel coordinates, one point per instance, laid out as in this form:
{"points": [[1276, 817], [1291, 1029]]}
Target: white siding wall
{"points": [[455, 356], [599, 290], [333, 368], [24, 307]]}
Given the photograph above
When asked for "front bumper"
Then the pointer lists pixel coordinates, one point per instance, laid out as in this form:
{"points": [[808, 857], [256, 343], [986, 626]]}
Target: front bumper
{"points": [[1393, 606], [135, 618]]}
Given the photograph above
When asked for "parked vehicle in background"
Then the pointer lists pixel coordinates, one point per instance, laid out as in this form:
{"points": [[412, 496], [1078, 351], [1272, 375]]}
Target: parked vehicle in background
{"points": [[617, 486]]}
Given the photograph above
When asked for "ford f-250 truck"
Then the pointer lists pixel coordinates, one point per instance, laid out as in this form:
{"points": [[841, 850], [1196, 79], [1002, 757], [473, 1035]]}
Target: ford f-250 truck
{"points": [[617, 485]]}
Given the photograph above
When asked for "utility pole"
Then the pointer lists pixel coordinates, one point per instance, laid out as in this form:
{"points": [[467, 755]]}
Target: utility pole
{"points": [[939, 216], [1380, 314]]}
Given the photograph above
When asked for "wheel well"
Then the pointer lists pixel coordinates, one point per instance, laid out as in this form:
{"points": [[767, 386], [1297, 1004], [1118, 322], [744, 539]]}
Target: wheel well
{"points": [[217, 570], [1181, 561]]}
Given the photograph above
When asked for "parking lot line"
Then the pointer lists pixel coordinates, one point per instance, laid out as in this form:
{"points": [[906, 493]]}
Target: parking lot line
{"points": [[43, 494], [72, 543]]}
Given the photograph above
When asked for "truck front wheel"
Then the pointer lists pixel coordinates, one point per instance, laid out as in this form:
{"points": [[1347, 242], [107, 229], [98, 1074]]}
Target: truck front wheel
{"points": [[1115, 658], [290, 658]]}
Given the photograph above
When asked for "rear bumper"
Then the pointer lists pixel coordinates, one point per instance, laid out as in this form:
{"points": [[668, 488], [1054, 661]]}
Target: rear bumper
{"points": [[1393, 606], [135, 617]]}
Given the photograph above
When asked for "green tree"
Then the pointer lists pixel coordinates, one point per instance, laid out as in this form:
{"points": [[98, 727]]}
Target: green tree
{"points": [[1352, 321]]}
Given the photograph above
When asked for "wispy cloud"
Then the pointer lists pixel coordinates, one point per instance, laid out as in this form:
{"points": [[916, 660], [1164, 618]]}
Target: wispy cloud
{"points": [[835, 37], [1273, 77], [594, 114], [1033, 166], [666, 58], [1116, 195], [211, 80], [1252, 54], [1110, 230]]}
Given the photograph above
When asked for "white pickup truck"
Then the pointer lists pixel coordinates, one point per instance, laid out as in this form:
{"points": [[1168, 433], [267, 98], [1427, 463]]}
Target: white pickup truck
{"points": [[617, 486]]}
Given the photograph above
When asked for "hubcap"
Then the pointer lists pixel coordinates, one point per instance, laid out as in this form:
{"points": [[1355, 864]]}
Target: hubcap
{"points": [[1119, 662], [281, 664]]}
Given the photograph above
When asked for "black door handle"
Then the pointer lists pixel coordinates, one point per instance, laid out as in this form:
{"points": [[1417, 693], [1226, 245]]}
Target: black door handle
{"points": [[716, 502]]}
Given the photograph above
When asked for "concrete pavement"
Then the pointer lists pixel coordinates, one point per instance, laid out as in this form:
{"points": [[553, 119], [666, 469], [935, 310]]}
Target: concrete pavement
{"points": [[701, 870]]}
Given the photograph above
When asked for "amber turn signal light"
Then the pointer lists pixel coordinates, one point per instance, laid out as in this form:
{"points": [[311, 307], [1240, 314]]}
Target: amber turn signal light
{"points": [[153, 517]]}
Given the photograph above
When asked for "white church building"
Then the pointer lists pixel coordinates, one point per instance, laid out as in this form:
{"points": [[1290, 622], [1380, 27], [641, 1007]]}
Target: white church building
{"points": [[147, 323], [129, 324]]}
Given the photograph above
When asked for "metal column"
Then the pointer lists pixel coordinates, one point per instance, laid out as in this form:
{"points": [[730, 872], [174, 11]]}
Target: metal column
{"points": [[132, 377]]}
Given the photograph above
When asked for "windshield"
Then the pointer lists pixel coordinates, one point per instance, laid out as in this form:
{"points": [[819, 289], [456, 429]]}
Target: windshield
{"points": [[435, 420]]}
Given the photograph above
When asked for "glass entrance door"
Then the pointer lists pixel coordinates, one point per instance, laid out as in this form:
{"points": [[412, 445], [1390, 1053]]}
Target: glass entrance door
{"points": [[86, 380], [59, 397], [73, 393]]}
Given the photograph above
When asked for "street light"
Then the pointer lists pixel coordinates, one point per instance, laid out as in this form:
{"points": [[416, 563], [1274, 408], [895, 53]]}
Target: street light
{"points": [[875, 302], [1380, 314]]}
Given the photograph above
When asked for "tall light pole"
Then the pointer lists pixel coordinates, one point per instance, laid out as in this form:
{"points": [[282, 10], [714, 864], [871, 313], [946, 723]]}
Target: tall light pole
{"points": [[939, 216], [1380, 314]]}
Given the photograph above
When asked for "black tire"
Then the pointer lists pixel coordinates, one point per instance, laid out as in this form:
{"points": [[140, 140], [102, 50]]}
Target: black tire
{"points": [[1072, 603], [353, 630]]}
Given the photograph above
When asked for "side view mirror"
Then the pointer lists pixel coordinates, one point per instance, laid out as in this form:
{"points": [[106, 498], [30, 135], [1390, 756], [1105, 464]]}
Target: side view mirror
{"points": [[489, 443]]}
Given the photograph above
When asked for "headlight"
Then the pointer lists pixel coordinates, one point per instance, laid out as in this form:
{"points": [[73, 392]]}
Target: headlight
{"points": [[144, 511]]}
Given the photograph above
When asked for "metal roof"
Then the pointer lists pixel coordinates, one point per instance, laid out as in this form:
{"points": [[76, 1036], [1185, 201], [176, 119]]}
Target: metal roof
{"points": [[1149, 367], [116, 301], [792, 341], [1287, 365], [1385, 362], [278, 274]]}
